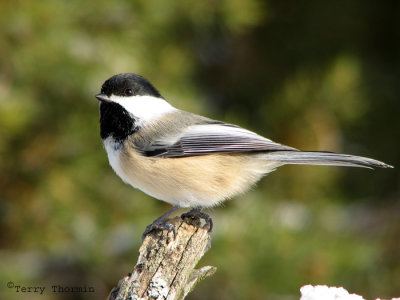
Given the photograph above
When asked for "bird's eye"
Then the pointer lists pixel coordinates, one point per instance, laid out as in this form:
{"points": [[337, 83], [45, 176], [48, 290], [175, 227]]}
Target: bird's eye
{"points": [[128, 92]]}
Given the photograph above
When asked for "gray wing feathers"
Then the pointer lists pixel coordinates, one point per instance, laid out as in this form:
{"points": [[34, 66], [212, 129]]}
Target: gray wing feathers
{"points": [[184, 134], [212, 138]]}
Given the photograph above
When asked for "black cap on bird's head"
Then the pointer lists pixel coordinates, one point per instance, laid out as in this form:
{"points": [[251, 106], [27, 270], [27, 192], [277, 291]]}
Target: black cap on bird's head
{"points": [[127, 85]]}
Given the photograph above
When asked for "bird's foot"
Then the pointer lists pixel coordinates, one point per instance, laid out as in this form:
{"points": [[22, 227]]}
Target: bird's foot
{"points": [[195, 216], [159, 226]]}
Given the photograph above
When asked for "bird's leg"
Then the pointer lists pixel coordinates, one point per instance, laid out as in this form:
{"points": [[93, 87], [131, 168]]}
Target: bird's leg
{"points": [[159, 223], [197, 214]]}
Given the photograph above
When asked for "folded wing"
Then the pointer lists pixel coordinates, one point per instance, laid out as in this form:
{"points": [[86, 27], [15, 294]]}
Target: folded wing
{"points": [[212, 138], [218, 137]]}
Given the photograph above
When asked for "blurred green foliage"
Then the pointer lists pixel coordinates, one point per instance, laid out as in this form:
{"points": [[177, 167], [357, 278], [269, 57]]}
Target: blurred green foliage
{"points": [[315, 75]]}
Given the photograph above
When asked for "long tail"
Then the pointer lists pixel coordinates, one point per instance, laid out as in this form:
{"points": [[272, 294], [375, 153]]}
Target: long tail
{"points": [[324, 159]]}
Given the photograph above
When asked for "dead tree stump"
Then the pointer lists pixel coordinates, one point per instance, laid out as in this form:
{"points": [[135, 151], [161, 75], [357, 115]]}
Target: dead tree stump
{"points": [[165, 266]]}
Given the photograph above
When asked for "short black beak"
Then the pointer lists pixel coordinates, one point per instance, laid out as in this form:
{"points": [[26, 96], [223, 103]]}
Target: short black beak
{"points": [[103, 97]]}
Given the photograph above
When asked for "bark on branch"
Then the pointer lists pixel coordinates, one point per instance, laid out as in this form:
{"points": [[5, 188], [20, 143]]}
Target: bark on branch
{"points": [[165, 267]]}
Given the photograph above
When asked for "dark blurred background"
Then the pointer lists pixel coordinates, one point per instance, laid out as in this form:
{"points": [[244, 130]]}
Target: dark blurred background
{"points": [[315, 75]]}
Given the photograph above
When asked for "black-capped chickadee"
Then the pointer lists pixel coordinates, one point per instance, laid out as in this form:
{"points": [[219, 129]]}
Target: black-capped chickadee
{"points": [[185, 159]]}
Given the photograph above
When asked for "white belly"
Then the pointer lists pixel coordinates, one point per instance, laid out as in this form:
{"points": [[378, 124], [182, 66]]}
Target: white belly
{"points": [[114, 155], [191, 181]]}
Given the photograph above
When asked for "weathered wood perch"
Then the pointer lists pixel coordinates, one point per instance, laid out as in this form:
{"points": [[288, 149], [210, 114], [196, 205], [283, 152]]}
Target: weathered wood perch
{"points": [[165, 267]]}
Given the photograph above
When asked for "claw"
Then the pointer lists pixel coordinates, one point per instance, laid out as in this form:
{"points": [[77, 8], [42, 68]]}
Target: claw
{"points": [[195, 216], [156, 226], [160, 224]]}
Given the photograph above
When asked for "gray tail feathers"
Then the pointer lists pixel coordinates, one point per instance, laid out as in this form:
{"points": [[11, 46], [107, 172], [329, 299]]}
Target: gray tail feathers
{"points": [[324, 159]]}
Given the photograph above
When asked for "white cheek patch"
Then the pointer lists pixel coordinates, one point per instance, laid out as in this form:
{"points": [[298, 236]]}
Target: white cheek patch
{"points": [[145, 108]]}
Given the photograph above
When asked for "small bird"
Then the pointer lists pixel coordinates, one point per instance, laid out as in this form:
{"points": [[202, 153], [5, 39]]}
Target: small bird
{"points": [[185, 159]]}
